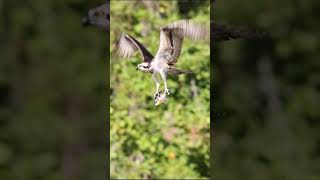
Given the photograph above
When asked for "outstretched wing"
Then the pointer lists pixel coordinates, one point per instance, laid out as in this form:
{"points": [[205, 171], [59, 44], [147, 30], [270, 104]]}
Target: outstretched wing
{"points": [[227, 32], [172, 35], [127, 46], [99, 16], [224, 33]]}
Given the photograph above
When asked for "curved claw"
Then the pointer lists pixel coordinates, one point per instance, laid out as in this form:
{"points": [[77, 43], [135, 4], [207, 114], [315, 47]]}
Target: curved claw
{"points": [[166, 91], [156, 94]]}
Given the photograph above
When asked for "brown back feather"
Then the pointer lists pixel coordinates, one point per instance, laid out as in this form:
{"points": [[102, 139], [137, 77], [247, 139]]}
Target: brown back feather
{"points": [[172, 35]]}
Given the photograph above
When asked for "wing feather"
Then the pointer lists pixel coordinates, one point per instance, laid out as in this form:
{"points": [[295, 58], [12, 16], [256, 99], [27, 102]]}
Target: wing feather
{"points": [[224, 33], [172, 35], [127, 46]]}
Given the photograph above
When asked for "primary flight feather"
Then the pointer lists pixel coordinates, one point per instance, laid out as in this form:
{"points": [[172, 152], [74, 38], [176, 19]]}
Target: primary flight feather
{"points": [[171, 41]]}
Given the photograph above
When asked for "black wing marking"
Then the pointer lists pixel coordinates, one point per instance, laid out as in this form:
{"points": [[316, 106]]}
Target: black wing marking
{"points": [[128, 45]]}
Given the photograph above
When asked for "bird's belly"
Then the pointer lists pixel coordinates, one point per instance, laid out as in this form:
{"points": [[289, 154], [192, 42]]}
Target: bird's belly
{"points": [[159, 65]]}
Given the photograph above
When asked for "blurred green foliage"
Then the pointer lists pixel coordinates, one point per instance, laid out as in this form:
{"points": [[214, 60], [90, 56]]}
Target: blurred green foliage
{"points": [[267, 92], [172, 140], [52, 89]]}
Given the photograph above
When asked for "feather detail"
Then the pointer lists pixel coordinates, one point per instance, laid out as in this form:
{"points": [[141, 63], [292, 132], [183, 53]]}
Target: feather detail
{"points": [[172, 35], [126, 47]]}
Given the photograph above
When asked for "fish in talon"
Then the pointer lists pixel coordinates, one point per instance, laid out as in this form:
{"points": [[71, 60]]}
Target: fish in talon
{"points": [[160, 99]]}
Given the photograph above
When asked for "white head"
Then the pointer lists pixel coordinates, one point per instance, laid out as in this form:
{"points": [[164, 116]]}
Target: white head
{"points": [[145, 66]]}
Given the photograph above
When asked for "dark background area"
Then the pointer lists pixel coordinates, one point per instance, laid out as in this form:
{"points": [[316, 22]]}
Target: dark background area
{"points": [[267, 91], [52, 91]]}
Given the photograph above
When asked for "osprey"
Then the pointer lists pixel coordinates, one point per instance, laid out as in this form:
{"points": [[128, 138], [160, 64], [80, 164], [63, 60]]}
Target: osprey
{"points": [[99, 16], [171, 40]]}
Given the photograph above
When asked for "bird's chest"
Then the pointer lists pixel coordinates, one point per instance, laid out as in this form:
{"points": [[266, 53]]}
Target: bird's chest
{"points": [[164, 54], [159, 66]]}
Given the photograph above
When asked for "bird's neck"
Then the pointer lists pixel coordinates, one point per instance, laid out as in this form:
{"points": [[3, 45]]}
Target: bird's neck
{"points": [[147, 70], [150, 70]]}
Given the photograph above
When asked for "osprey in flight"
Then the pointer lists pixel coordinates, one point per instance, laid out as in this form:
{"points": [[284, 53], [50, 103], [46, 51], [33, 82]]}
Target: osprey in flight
{"points": [[171, 40], [100, 17]]}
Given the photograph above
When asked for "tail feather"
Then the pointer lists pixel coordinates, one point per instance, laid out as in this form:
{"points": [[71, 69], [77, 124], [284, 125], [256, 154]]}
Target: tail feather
{"points": [[175, 71]]}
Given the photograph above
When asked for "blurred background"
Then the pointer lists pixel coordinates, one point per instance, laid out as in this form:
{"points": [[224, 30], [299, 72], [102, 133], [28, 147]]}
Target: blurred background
{"points": [[173, 139], [53, 102], [52, 91], [266, 92]]}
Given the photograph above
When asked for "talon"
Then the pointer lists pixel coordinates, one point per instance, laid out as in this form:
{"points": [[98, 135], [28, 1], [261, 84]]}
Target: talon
{"points": [[156, 94], [167, 92]]}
